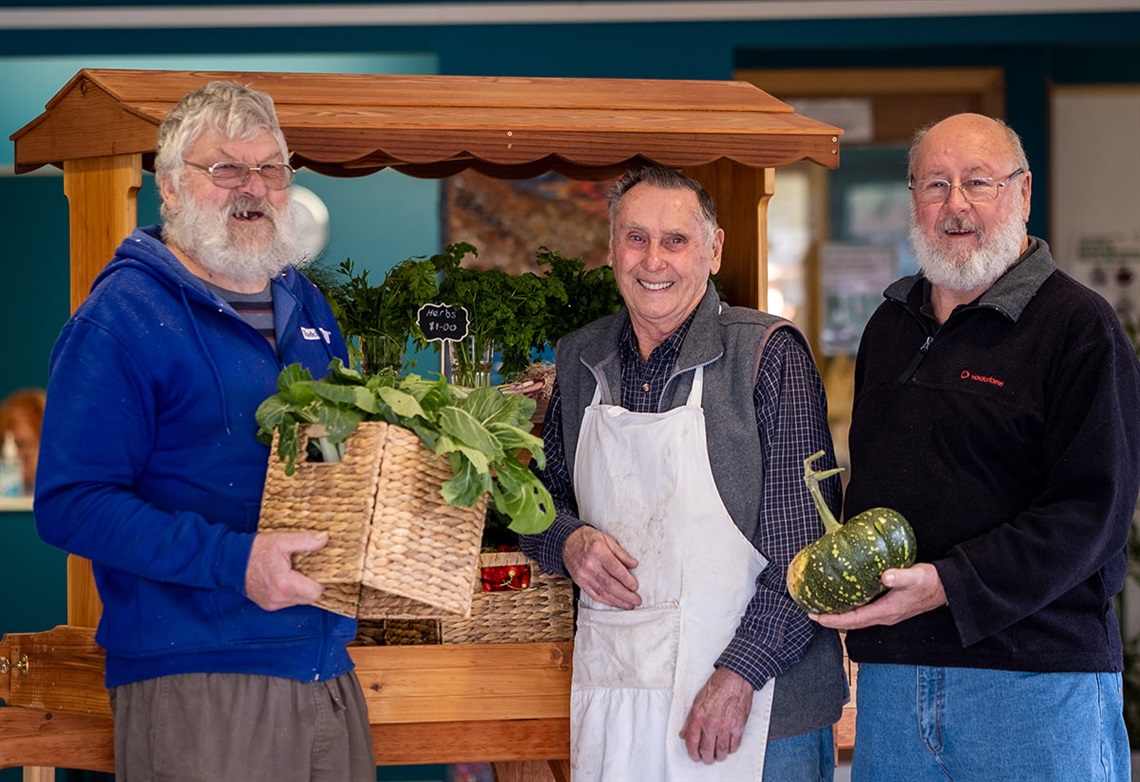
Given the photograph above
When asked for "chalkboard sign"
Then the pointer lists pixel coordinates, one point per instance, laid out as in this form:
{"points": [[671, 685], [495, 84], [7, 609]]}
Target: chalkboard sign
{"points": [[442, 322]]}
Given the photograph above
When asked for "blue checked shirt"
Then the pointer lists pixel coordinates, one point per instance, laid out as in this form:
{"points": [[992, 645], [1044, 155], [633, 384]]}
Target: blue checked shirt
{"points": [[791, 416]]}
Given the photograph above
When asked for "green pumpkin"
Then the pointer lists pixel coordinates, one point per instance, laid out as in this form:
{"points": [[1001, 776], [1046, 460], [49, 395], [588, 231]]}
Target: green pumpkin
{"points": [[843, 569]]}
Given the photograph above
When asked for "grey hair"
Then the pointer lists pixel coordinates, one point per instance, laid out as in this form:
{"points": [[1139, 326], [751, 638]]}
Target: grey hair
{"points": [[1011, 138], [667, 179], [224, 107]]}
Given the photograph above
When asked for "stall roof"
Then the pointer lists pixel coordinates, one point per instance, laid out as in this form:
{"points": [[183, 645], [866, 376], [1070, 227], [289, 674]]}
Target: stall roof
{"points": [[436, 126]]}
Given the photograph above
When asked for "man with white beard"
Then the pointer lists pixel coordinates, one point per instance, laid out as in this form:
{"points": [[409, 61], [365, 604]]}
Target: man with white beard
{"points": [[219, 666], [997, 407]]}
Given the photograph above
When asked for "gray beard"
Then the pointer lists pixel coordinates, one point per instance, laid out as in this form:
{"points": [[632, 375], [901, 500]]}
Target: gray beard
{"points": [[204, 234], [998, 250]]}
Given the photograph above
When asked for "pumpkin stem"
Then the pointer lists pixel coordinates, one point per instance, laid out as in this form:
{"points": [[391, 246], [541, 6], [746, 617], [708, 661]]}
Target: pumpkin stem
{"points": [[812, 479]]}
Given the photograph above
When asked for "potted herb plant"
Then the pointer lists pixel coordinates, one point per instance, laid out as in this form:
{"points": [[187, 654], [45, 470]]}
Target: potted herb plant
{"points": [[378, 320], [506, 313], [512, 316], [576, 295]]}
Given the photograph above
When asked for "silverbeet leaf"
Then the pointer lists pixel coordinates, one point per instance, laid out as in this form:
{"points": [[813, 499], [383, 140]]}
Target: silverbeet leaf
{"points": [[467, 484], [521, 498], [464, 428], [403, 404], [475, 458]]}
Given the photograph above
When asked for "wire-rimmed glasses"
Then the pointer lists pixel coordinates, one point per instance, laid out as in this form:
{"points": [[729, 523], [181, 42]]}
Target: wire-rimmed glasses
{"points": [[973, 189], [232, 174]]}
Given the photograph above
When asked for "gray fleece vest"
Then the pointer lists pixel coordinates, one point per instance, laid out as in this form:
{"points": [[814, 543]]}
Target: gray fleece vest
{"points": [[727, 342]]}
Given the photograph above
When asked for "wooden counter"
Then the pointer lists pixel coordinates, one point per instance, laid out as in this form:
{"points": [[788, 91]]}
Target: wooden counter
{"points": [[458, 703]]}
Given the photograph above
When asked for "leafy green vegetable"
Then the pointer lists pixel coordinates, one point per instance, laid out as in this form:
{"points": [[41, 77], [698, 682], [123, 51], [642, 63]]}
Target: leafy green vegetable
{"points": [[515, 314], [481, 431], [506, 311], [382, 317], [576, 295]]}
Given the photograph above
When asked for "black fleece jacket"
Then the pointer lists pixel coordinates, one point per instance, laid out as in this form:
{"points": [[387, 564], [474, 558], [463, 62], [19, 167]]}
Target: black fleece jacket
{"points": [[1009, 437]]}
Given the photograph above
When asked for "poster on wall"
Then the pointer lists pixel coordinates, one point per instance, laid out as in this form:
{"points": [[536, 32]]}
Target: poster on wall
{"points": [[1095, 192], [1110, 265], [854, 277]]}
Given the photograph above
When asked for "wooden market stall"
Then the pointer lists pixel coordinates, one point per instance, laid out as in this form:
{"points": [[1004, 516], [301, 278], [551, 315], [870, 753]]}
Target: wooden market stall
{"points": [[427, 704]]}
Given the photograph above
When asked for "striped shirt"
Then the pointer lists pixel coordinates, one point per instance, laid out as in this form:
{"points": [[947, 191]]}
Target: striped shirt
{"points": [[256, 309]]}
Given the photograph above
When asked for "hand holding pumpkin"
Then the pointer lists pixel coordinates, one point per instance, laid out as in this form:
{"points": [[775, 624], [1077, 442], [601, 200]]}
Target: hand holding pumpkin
{"points": [[912, 591], [843, 569]]}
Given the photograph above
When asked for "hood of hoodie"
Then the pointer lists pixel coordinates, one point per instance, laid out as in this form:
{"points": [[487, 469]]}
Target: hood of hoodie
{"points": [[144, 252]]}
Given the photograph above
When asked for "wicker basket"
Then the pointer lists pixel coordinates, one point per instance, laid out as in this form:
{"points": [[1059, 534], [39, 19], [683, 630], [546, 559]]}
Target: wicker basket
{"points": [[541, 613], [395, 549]]}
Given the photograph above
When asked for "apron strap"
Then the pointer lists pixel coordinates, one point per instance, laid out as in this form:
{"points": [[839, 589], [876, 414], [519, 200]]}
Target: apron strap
{"points": [[697, 390]]}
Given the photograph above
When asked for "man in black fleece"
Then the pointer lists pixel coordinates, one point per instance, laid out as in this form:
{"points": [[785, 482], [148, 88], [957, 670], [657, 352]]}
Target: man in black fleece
{"points": [[997, 407]]}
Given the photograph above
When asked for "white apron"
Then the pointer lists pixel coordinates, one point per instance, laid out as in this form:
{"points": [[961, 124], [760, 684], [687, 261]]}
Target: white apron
{"points": [[645, 479]]}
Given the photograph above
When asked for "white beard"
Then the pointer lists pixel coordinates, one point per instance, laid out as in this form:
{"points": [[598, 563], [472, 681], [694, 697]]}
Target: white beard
{"points": [[247, 256], [997, 251]]}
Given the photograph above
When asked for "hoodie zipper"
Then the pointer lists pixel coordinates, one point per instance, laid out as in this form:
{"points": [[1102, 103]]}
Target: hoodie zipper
{"points": [[322, 651]]}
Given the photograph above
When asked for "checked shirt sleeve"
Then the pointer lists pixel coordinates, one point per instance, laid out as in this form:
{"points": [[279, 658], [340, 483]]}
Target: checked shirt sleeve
{"points": [[791, 415], [546, 547]]}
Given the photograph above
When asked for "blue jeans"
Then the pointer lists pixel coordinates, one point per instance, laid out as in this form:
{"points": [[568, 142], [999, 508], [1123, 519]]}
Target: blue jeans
{"points": [[923, 724], [806, 758]]}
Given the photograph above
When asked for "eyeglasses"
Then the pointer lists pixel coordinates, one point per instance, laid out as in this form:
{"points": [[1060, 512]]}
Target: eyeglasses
{"points": [[974, 189], [230, 175]]}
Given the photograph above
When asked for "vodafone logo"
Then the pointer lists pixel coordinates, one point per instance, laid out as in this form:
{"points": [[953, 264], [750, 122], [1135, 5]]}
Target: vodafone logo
{"points": [[993, 381]]}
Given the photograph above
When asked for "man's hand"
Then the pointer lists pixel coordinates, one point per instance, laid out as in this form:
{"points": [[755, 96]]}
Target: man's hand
{"points": [[600, 566], [270, 580], [716, 721], [912, 591]]}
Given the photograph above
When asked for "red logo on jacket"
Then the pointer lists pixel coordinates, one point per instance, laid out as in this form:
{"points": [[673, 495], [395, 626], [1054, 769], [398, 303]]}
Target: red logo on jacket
{"points": [[993, 381]]}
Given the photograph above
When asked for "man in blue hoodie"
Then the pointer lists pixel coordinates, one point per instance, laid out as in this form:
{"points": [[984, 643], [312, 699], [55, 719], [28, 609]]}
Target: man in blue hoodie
{"points": [[219, 666]]}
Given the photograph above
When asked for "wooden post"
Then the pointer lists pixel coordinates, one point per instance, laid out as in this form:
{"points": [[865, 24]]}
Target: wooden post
{"points": [[741, 196], [102, 195]]}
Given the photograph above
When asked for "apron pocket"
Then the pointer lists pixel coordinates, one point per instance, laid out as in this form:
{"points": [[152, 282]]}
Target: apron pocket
{"points": [[627, 648]]}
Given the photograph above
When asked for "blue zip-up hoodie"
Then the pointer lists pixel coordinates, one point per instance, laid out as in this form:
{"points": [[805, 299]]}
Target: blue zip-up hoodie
{"points": [[150, 467]]}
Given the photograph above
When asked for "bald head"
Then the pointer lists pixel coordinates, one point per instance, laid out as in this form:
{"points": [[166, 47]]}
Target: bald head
{"points": [[977, 131]]}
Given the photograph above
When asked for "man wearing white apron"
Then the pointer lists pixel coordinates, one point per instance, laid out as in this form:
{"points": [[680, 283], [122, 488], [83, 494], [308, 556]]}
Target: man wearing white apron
{"points": [[675, 441]]}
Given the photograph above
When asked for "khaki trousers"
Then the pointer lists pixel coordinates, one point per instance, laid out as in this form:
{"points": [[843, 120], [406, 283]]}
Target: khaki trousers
{"points": [[242, 728]]}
